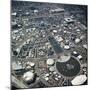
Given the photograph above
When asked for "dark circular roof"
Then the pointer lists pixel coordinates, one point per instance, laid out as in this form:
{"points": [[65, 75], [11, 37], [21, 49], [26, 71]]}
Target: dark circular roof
{"points": [[69, 68]]}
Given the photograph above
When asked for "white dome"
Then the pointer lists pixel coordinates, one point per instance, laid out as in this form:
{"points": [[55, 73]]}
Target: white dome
{"points": [[85, 46], [64, 58], [28, 76], [28, 67], [46, 78], [59, 76], [79, 57], [32, 64], [82, 37], [74, 52], [65, 31], [50, 62], [67, 47], [27, 13], [77, 40], [35, 11], [79, 80], [52, 69], [14, 13], [47, 74], [55, 31], [56, 79], [54, 72]]}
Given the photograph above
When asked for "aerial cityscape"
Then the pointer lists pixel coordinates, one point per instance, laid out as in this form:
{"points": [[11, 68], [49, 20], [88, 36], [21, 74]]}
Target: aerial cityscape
{"points": [[48, 45]]}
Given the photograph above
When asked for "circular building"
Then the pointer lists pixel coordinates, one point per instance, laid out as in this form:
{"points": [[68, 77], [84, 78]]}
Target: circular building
{"points": [[79, 80], [68, 68], [50, 61], [28, 76]]}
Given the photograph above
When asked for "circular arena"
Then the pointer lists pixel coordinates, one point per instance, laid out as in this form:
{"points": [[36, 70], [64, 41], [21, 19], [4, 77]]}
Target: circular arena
{"points": [[69, 68]]}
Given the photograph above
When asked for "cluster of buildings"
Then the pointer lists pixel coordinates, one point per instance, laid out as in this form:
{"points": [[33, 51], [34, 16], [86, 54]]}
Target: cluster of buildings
{"points": [[48, 46]]}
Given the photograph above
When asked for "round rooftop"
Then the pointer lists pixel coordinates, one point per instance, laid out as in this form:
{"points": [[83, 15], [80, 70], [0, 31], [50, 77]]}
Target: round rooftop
{"points": [[28, 76], [69, 68], [79, 80], [52, 68], [50, 62]]}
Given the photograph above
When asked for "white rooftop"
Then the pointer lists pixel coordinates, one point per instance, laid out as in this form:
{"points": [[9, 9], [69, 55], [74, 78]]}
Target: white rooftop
{"points": [[52, 69], [15, 66], [64, 58], [50, 61], [47, 74], [57, 10], [54, 72], [46, 78], [14, 13], [35, 11], [85, 46], [32, 64], [66, 47], [60, 39], [79, 57], [74, 52], [77, 40], [56, 79], [28, 76], [27, 13], [79, 80], [55, 31], [82, 37]]}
